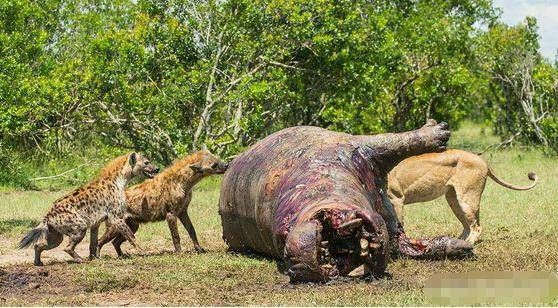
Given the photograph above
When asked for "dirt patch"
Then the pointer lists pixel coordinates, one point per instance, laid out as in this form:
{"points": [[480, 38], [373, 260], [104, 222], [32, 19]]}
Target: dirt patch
{"points": [[67, 284], [23, 283], [32, 283], [61, 281], [17, 280], [25, 256]]}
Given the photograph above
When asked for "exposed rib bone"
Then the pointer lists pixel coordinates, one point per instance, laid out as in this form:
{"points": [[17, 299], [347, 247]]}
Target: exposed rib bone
{"points": [[359, 271], [351, 224]]}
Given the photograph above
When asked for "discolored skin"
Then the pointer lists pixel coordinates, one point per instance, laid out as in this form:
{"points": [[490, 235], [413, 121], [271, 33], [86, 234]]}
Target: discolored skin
{"points": [[316, 199]]}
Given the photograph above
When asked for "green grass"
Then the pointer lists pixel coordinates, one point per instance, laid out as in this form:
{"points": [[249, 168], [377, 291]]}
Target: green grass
{"points": [[519, 234]]}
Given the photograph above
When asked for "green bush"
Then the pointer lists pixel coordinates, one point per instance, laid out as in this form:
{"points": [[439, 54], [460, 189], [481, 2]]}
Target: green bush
{"points": [[167, 77], [13, 173], [550, 127]]}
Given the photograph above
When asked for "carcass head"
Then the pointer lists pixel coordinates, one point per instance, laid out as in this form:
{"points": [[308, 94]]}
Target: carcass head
{"points": [[337, 242]]}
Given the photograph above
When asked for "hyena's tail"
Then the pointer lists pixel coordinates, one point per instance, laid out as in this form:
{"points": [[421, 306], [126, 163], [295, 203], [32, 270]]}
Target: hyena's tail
{"points": [[34, 235]]}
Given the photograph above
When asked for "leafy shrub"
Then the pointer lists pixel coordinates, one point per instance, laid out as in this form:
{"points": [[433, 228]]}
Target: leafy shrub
{"points": [[550, 127], [12, 173]]}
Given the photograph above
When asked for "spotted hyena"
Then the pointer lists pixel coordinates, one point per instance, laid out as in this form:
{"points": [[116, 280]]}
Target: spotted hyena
{"points": [[86, 207], [167, 196]]}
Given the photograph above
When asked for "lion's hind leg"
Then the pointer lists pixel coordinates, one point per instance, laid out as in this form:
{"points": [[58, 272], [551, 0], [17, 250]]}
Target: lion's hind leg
{"points": [[453, 202], [465, 203]]}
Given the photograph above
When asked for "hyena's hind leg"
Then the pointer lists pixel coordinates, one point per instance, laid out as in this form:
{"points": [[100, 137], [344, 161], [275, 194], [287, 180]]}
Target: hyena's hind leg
{"points": [[119, 239], [52, 239], [118, 227], [75, 238], [125, 231]]}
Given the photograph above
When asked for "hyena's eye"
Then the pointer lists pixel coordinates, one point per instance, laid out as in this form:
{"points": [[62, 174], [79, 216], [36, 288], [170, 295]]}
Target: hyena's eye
{"points": [[215, 165], [146, 162]]}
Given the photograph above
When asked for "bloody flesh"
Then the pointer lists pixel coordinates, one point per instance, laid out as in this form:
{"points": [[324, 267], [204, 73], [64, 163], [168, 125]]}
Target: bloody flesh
{"points": [[316, 199]]}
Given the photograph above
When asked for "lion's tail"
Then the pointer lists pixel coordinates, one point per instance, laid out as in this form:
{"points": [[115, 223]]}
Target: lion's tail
{"points": [[532, 176]]}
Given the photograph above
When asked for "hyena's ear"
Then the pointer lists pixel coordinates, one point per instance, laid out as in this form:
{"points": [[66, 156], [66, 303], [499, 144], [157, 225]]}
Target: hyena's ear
{"points": [[196, 168], [132, 159]]}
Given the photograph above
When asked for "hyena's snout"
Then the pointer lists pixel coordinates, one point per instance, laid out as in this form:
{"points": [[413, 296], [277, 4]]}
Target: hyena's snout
{"points": [[224, 166], [150, 171], [218, 167]]}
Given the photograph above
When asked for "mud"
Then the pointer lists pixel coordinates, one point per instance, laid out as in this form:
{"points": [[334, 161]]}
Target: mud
{"points": [[16, 281]]}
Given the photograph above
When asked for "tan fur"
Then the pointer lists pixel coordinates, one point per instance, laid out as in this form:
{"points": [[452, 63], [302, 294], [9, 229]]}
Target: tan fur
{"points": [[167, 196], [459, 175], [86, 207]]}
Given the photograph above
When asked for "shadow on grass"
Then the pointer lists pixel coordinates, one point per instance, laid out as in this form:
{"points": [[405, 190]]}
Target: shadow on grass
{"points": [[281, 265], [8, 225]]}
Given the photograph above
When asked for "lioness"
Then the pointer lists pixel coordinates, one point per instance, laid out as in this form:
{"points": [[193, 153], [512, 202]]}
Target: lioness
{"points": [[458, 174]]}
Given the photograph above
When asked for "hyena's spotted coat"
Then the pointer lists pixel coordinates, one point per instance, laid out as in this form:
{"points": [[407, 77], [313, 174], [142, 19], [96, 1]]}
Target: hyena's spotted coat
{"points": [[86, 207], [167, 196]]}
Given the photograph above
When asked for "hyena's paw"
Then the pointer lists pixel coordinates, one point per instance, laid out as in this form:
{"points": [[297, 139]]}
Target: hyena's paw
{"points": [[200, 249], [137, 248], [94, 257], [124, 255], [95, 254], [78, 260]]}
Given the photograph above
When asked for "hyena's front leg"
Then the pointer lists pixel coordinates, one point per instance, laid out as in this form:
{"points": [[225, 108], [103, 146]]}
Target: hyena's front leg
{"points": [[185, 220], [119, 239], [171, 220], [93, 239], [110, 233]]}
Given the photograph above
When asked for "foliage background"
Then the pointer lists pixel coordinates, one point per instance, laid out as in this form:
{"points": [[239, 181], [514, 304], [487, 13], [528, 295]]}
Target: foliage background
{"points": [[83, 80]]}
